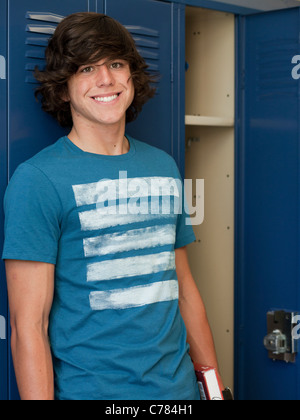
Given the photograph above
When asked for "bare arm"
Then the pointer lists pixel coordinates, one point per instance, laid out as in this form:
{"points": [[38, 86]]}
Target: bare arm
{"points": [[194, 315], [30, 292]]}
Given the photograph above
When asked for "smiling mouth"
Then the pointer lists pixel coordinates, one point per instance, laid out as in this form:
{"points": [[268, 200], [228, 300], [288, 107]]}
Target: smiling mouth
{"points": [[106, 99]]}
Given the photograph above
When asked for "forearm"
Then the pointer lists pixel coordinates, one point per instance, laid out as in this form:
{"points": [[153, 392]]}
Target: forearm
{"points": [[33, 364], [199, 334]]}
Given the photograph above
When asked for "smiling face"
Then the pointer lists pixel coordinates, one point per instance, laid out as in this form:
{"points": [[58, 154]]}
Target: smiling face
{"points": [[101, 93]]}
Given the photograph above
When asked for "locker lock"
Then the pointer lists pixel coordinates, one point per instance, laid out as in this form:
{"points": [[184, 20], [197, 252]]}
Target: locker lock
{"points": [[281, 342], [276, 342]]}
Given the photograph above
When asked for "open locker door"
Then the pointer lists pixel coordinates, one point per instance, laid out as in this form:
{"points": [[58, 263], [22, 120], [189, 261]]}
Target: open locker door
{"points": [[267, 217]]}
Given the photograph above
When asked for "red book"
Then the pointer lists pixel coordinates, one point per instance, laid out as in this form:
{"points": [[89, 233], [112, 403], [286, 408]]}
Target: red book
{"points": [[208, 382]]}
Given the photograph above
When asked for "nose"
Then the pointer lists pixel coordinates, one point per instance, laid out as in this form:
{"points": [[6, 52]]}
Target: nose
{"points": [[104, 76]]}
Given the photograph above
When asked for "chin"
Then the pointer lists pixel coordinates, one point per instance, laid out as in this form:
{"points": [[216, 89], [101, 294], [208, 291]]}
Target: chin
{"points": [[111, 120]]}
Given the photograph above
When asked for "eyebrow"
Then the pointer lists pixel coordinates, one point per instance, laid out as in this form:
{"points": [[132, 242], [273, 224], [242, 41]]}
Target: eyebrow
{"points": [[103, 64]]}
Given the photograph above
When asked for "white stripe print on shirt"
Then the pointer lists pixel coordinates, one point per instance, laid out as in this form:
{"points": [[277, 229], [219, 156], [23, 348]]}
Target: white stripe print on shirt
{"points": [[119, 204]]}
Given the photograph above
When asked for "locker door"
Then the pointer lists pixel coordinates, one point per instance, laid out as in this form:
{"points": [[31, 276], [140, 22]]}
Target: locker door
{"points": [[3, 182], [30, 24], [151, 24], [267, 271]]}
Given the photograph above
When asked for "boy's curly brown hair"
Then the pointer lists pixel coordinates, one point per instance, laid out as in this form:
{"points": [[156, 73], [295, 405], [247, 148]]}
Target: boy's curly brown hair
{"points": [[87, 38]]}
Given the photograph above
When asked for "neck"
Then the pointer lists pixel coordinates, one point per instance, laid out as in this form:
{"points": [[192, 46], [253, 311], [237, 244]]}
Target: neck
{"points": [[101, 140]]}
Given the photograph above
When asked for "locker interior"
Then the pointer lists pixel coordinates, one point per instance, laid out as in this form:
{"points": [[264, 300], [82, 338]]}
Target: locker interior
{"points": [[210, 145]]}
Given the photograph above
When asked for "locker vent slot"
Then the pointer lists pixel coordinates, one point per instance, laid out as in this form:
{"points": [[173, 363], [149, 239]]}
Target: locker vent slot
{"points": [[273, 69], [40, 26], [44, 16], [148, 45]]}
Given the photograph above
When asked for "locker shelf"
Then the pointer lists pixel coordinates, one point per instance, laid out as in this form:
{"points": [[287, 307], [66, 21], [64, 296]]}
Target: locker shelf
{"points": [[209, 121]]}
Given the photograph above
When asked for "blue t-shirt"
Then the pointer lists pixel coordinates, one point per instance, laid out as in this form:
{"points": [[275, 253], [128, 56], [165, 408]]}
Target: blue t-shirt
{"points": [[111, 225]]}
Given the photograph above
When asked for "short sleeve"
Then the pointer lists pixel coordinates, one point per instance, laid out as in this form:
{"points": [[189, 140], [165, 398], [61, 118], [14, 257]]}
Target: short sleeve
{"points": [[32, 217]]}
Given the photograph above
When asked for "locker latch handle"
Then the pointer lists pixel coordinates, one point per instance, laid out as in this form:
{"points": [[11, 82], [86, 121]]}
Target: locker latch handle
{"points": [[281, 342], [276, 342]]}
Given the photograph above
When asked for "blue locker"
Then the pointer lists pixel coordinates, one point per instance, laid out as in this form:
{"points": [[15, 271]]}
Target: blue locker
{"points": [[3, 183], [267, 246], [31, 23], [154, 26], [29, 129]]}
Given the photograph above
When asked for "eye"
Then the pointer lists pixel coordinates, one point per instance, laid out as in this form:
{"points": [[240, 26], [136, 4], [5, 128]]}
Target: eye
{"points": [[88, 69], [117, 65]]}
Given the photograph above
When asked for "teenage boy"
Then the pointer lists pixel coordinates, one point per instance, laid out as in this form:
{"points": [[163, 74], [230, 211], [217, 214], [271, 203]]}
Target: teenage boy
{"points": [[102, 300]]}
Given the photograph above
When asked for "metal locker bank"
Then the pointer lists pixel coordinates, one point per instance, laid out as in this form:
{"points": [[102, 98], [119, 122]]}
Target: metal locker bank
{"points": [[227, 109]]}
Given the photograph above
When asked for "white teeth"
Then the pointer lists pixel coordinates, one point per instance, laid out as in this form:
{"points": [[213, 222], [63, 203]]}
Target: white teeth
{"points": [[106, 98]]}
